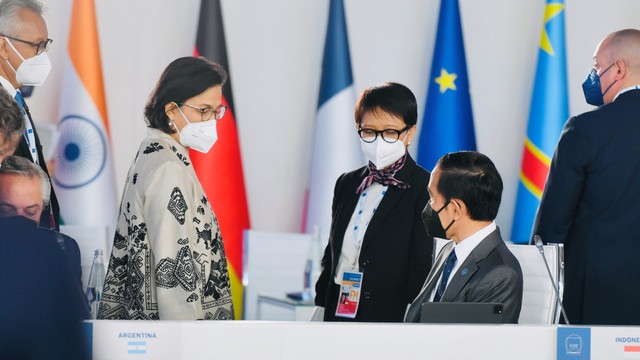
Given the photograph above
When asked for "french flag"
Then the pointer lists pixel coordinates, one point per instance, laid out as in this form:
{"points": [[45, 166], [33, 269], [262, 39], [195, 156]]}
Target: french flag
{"points": [[336, 148]]}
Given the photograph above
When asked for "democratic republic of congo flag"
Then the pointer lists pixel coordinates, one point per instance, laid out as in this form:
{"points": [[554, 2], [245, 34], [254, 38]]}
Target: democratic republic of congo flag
{"points": [[548, 113]]}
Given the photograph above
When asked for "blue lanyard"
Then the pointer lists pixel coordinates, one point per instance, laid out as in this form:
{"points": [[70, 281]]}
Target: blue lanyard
{"points": [[359, 230]]}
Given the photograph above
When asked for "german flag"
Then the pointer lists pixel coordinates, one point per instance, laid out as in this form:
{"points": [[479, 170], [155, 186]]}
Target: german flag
{"points": [[220, 170]]}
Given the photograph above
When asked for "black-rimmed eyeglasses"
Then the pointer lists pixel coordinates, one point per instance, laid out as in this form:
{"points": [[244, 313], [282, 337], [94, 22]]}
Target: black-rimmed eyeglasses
{"points": [[388, 135], [41, 47], [207, 112]]}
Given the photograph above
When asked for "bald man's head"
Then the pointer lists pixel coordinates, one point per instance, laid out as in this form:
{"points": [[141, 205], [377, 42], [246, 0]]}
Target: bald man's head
{"points": [[617, 62]]}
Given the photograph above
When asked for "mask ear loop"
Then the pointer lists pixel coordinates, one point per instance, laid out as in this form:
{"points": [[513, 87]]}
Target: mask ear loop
{"points": [[14, 50], [613, 83], [183, 116]]}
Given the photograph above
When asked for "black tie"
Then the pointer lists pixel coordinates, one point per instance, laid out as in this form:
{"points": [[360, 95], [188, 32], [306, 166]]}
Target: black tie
{"points": [[448, 266]]}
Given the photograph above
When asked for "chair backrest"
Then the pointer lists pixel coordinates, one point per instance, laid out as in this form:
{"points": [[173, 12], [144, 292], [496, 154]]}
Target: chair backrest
{"points": [[540, 304], [539, 300], [273, 263]]}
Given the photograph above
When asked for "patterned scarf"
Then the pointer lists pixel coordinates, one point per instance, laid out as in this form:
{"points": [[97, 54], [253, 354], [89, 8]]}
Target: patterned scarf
{"points": [[384, 176]]}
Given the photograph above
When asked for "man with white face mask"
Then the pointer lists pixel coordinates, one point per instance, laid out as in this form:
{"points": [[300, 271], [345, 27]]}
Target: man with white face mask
{"points": [[24, 61]]}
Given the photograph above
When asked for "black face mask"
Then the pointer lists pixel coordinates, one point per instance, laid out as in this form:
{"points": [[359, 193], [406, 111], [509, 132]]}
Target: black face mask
{"points": [[432, 221]]}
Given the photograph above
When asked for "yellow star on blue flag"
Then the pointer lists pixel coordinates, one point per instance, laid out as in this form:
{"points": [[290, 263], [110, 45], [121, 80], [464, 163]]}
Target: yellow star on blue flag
{"points": [[548, 112], [447, 125], [550, 11], [446, 81]]}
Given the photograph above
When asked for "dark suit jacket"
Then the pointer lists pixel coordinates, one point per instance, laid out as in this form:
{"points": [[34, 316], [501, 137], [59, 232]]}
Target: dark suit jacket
{"points": [[23, 151], [41, 307], [396, 252], [71, 252], [591, 204], [489, 274]]}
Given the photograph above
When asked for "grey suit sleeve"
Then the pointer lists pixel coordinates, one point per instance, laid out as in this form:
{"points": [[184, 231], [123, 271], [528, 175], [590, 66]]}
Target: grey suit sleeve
{"points": [[502, 285]]}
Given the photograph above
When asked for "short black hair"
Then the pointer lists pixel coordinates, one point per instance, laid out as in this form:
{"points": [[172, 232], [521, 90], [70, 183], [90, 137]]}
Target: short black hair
{"points": [[392, 98], [183, 79], [473, 178]]}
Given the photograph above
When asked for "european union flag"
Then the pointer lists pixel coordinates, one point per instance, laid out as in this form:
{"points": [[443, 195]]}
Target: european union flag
{"points": [[548, 113], [448, 121]]}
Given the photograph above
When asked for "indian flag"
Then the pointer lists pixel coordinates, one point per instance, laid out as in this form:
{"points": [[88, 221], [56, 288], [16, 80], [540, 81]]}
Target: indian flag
{"points": [[84, 176]]}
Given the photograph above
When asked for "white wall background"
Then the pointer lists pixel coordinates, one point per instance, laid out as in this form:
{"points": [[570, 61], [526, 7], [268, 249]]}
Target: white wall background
{"points": [[275, 54]]}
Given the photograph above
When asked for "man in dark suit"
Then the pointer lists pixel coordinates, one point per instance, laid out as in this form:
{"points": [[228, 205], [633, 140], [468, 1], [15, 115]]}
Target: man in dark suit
{"points": [[24, 61], [24, 188], [476, 266], [41, 308], [590, 202]]}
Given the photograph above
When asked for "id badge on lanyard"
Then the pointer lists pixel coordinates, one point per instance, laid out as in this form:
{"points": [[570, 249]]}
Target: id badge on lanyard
{"points": [[349, 296], [351, 284]]}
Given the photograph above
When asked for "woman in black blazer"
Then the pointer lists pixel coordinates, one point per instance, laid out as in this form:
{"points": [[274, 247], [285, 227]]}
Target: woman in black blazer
{"points": [[376, 228]]}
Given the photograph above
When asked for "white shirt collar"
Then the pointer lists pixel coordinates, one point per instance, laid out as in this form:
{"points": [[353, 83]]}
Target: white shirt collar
{"points": [[6, 84], [632, 87], [466, 246]]}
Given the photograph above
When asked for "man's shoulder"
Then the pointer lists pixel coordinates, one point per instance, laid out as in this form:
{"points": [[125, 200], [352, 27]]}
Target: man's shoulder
{"points": [[19, 233], [498, 251]]}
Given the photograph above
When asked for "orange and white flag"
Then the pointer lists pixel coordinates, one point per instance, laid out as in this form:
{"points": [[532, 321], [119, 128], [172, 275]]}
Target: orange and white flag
{"points": [[84, 175]]}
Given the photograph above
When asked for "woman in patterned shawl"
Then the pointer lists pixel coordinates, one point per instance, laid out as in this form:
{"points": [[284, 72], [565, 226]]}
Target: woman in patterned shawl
{"points": [[168, 260]]}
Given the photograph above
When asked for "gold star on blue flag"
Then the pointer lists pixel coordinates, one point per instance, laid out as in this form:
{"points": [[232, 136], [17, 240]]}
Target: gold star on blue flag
{"points": [[548, 112], [446, 81], [447, 124]]}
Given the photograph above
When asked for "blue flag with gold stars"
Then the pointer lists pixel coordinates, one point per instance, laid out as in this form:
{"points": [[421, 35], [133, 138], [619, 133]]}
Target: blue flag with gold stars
{"points": [[448, 121]]}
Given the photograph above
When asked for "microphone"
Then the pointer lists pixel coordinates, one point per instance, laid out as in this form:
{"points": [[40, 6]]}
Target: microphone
{"points": [[538, 242]]}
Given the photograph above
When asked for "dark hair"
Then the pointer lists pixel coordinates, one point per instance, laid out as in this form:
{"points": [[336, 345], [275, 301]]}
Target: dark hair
{"points": [[392, 98], [183, 79], [11, 120], [473, 178]]}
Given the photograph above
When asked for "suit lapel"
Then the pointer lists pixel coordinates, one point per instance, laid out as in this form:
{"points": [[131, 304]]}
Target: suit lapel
{"points": [[470, 266], [345, 211], [433, 276], [389, 201], [413, 314]]}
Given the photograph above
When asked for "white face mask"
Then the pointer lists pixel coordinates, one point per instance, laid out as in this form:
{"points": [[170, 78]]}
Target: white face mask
{"points": [[199, 136], [33, 71], [383, 154]]}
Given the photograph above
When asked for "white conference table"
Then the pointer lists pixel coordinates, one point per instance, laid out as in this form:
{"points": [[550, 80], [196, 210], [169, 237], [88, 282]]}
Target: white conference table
{"points": [[297, 340]]}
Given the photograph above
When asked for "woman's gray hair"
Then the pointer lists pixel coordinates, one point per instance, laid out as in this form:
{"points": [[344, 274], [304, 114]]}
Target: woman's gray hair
{"points": [[10, 24], [16, 165]]}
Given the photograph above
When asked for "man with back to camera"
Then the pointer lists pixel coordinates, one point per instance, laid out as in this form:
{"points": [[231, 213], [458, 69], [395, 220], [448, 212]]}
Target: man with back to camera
{"points": [[11, 125], [591, 199], [476, 266], [24, 191], [24, 61]]}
